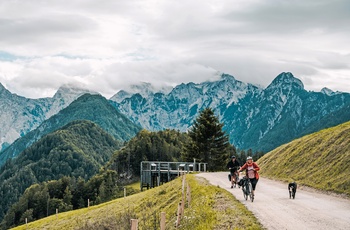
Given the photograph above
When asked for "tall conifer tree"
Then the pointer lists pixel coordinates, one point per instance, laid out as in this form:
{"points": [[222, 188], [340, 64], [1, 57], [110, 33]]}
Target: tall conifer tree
{"points": [[209, 143]]}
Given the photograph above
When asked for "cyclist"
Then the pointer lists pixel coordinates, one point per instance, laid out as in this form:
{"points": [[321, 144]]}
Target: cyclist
{"points": [[233, 165], [251, 169]]}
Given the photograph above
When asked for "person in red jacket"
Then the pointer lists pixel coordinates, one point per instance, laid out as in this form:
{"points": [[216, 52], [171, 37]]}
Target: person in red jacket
{"points": [[251, 169]]}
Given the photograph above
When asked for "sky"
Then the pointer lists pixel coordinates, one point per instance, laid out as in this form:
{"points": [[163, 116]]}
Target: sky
{"points": [[108, 45]]}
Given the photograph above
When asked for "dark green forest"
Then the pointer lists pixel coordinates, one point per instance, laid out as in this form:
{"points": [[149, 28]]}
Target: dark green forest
{"points": [[123, 167], [79, 149], [166, 145]]}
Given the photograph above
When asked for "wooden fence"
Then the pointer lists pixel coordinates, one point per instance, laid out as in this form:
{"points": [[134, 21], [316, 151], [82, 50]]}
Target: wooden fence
{"points": [[185, 196]]}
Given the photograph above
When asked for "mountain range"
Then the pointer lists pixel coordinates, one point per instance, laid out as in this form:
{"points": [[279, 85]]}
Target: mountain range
{"points": [[254, 117], [92, 107], [20, 115]]}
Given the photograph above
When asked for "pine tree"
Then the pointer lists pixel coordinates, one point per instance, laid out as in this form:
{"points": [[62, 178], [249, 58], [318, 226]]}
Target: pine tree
{"points": [[209, 143]]}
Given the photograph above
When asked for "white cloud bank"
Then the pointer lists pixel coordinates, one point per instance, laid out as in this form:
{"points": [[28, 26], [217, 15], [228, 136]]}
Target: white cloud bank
{"points": [[108, 45]]}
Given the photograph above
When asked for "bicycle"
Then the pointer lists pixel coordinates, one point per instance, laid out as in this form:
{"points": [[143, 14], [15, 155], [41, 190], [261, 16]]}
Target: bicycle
{"points": [[247, 189], [235, 177]]}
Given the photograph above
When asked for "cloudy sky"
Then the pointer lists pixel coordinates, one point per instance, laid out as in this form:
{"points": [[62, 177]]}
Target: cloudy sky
{"points": [[106, 45]]}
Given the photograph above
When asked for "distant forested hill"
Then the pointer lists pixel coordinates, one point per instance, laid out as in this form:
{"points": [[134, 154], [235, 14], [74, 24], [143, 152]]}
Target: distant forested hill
{"points": [[79, 149], [94, 108]]}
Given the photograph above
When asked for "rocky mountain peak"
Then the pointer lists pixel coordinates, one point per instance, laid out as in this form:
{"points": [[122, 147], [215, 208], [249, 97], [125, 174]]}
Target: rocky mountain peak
{"points": [[3, 90], [67, 91], [227, 77], [327, 91], [286, 79]]}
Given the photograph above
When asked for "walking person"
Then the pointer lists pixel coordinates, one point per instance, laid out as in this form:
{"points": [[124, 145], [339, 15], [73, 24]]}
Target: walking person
{"points": [[251, 169], [233, 165]]}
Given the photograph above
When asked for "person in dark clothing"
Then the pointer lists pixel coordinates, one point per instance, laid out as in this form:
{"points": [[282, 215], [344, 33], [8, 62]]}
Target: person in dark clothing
{"points": [[233, 166]]}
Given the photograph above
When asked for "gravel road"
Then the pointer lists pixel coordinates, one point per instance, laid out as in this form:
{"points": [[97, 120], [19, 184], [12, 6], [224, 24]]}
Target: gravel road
{"points": [[272, 206]]}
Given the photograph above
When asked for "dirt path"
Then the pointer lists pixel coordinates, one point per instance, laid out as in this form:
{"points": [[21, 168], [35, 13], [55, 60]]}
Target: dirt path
{"points": [[274, 209]]}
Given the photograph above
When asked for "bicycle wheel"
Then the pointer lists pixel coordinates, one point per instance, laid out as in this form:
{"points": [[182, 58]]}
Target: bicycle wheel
{"points": [[244, 189], [235, 183], [251, 196]]}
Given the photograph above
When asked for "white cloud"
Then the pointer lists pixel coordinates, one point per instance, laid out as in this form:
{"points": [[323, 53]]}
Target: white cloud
{"points": [[107, 45]]}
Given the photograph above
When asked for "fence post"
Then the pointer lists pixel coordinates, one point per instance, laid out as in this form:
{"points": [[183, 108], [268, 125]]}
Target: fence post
{"points": [[88, 202], [178, 215], [183, 195], [188, 195], [56, 213], [26, 223], [162, 221], [181, 207], [124, 192], [134, 224]]}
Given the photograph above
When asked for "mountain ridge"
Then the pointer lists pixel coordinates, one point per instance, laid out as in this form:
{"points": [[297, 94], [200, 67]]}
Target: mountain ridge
{"points": [[19, 115], [87, 107], [255, 118], [238, 104]]}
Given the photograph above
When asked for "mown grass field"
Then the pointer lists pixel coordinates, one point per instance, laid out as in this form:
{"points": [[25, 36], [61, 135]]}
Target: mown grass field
{"points": [[320, 160], [211, 207]]}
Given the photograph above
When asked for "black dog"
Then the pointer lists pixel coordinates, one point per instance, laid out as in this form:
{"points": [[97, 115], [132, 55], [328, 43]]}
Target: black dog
{"points": [[292, 188]]}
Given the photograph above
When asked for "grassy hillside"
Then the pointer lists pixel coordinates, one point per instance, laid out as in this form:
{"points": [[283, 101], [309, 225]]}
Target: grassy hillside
{"points": [[320, 160], [210, 208]]}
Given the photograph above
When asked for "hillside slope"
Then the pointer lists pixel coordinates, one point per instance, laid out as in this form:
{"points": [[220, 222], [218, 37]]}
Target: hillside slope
{"points": [[210, 208], [79, 149], [320, 160]]}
